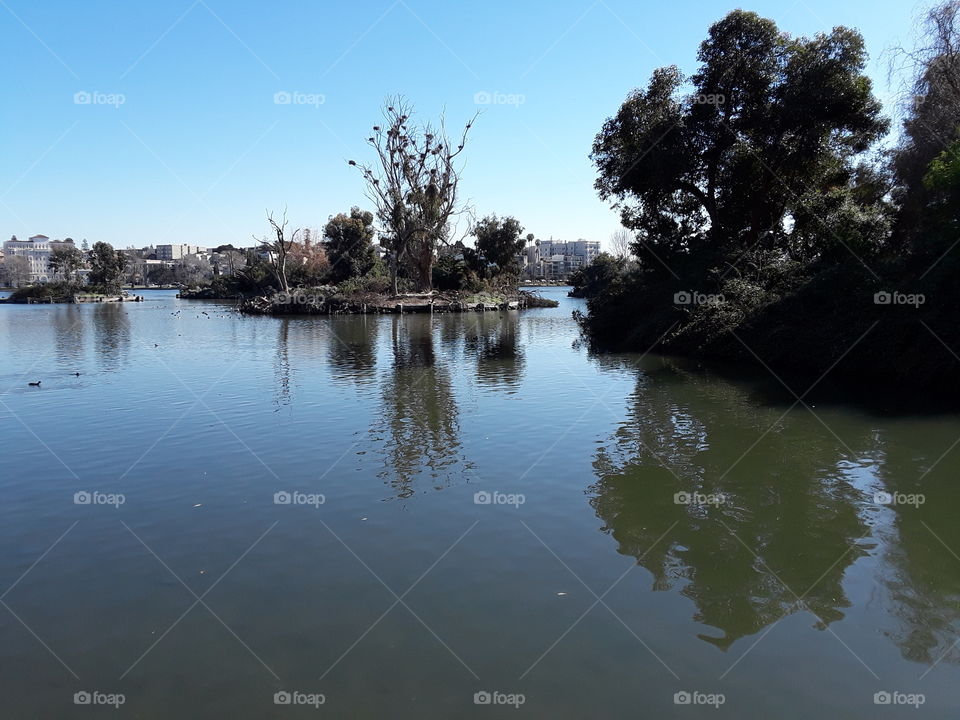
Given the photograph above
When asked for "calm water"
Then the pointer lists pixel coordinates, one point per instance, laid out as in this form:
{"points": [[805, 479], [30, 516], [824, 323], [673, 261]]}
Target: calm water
{"points": [[784, 585]]}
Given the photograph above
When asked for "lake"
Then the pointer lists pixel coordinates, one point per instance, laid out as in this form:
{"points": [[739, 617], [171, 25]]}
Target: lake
{"points": [[455, 516]]}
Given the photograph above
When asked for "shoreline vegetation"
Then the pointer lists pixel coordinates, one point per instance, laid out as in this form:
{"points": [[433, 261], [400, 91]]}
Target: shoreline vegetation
{"points": [[769, 224], [318, 302]]}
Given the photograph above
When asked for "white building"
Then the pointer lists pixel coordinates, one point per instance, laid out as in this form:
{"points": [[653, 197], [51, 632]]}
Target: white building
{"points": [[177, 252], [554, 259], [37, 252]]}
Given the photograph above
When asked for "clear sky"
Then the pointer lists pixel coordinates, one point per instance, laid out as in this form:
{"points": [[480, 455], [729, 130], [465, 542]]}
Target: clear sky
{"points": [[199, 149]]}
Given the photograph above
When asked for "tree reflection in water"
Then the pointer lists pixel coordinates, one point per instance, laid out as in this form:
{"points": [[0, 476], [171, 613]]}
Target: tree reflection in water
{"points": [[790, 521], [111, 334], [492, 339], [352, 347], [418, 431]]}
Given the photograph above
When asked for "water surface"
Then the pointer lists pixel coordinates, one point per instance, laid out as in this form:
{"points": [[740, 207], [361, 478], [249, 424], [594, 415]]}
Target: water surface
{"points": [[787, 585]]}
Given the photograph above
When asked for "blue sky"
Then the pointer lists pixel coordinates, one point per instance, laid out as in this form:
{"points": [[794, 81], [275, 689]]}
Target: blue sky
{"points": [[199, 149]]}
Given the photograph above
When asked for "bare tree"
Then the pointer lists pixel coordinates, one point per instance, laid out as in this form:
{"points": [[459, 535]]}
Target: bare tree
{"points": [[16, 269], [931, 109], [66, 261], [279, 248], [234, 260], [621, 242], [414, 187]]}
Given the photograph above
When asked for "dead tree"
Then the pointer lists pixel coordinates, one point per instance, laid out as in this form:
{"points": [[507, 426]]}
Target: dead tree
{"points": [[278, 249], [414, 185]]}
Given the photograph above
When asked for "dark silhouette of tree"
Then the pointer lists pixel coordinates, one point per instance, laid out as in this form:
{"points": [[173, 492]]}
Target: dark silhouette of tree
{"points": [[771, 117]]}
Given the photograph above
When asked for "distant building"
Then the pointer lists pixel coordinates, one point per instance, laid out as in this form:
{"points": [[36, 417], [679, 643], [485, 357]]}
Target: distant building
{"points": [[177, 252], [554, 260], [37, 252]]}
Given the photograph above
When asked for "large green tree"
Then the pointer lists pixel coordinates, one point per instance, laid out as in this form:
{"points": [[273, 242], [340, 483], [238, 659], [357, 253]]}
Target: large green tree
{"points": [[349, 241], [106, 266], [769, 118], [498, 242]]}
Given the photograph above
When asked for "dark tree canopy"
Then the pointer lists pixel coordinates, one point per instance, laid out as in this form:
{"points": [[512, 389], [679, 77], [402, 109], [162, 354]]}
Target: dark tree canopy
{"points": [[770, 118], [106, 266]]}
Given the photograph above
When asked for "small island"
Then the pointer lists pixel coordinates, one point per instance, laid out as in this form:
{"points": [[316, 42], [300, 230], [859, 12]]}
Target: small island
{"points": [[80, 276], [413, 184]]}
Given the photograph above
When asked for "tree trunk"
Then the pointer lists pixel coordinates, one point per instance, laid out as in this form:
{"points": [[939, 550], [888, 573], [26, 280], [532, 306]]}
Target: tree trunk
{"points": [[393, 273], [425, 268]]}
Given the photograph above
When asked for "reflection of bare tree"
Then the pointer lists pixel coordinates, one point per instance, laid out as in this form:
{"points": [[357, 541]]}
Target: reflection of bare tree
{"points": [[353, 347], [787, 510], [111, 333], [492, 340], [419, 420], [281, 364]]}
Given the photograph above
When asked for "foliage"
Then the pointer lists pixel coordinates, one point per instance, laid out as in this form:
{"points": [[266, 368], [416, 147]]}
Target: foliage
{"points": [[589, 281], [308, 265], [66, 261], [764, 232], [498, 242], [349, 239], [931, 124], [376, 283], [942, 181], [451, 273], [106, 267], [56, 290], [769, 115]]}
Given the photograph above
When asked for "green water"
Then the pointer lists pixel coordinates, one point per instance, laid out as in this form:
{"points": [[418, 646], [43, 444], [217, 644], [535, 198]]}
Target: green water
{"points": [[587, 586]]}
